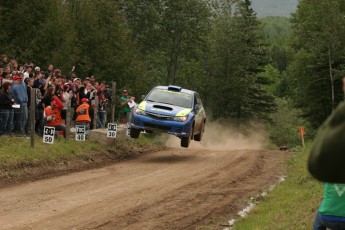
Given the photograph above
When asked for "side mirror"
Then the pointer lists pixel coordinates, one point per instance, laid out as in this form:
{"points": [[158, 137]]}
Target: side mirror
{"points": [[197, 107]]}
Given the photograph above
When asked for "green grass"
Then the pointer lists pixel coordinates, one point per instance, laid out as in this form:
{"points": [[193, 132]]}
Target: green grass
{"points": [[291, 205], [17, 152]]}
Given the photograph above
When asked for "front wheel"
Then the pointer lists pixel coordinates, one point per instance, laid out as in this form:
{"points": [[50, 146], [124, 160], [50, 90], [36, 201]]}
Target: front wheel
{"points": [[185, 141], [134, 133]]}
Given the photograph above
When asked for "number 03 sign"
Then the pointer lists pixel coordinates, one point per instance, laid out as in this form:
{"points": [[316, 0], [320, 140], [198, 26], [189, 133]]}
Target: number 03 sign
{"points": [[48, 134]]}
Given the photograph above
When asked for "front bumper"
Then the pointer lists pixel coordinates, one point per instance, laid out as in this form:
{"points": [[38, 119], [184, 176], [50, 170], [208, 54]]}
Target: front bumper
{"points": [[179, 129]]}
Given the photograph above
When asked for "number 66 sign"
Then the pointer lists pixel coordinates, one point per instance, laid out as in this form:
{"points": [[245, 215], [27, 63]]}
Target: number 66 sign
{"points": [[48, 134]]}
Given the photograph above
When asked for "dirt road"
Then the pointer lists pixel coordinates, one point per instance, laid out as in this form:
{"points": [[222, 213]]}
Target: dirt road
{"points": [[171, 189]]}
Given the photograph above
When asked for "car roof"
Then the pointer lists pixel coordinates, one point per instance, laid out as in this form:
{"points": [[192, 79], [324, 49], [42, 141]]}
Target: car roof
{"points": [[175, 88]]}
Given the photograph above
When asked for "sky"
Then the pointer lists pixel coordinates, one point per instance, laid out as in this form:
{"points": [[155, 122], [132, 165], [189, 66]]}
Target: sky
{"points": [[282, 8]]}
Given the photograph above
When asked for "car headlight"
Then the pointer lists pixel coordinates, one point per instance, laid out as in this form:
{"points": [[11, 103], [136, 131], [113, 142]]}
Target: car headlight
{"points": [[140, 112], [182, 119]]}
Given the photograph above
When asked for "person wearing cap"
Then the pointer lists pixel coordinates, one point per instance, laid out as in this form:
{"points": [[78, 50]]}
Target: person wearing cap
{"points": [[6, 110], [83, 114], [52, 115], [20, 97], [126, 110]]}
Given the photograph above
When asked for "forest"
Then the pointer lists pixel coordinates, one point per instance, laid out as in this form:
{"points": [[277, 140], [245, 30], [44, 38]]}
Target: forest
{"points": [[284, 72]]}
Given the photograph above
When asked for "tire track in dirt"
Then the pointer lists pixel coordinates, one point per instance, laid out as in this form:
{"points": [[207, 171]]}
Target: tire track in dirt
{"points": [[172, 189], [198, 201]]}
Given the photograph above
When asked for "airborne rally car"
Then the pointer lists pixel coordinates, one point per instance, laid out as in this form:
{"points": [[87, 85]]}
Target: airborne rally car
{"points": [[173, 110]]}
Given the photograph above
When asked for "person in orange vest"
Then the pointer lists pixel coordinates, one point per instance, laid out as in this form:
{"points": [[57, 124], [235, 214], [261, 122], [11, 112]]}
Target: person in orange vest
{"points": [[83, 114], [52, 115]]}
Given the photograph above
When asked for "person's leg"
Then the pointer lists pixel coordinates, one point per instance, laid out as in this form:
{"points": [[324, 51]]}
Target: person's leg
{"points": [[4, 114], [334, 225], [39, 118], [101, 119], [123, 118], [61, 127], [9, 126], [128, 117], [24, 117], [318, 224], [28, 124], [98, 122], [16, 120]]}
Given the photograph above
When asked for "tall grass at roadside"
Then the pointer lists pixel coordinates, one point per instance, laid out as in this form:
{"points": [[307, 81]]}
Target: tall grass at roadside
{"points": [[291, 205]]}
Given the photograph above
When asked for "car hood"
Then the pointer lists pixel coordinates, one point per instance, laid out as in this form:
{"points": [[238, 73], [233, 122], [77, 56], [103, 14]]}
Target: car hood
{"points": [[165, 109]]}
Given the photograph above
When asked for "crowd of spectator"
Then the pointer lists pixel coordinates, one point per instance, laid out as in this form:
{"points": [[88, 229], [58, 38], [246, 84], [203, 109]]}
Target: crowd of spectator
{"points": [[53, 92]]}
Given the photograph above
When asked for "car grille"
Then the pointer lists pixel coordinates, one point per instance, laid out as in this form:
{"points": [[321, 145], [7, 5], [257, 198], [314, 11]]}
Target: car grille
{"points": [[162, 127], [159, 116]]}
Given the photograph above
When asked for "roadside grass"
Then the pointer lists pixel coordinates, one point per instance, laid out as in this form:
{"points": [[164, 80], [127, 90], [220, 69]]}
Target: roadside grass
{"points": [[16, 152], [292, 204]]}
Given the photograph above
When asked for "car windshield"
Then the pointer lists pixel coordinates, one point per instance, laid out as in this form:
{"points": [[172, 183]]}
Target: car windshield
{"points": [[171, 98]]}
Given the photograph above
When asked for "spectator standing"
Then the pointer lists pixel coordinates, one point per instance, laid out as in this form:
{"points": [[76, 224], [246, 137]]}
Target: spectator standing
{"points": [[20, 97], [66, 98], [331, 213], [102, 102], [6, 110], [126, 110], [83, 114], [30, 83], [53, 115]]}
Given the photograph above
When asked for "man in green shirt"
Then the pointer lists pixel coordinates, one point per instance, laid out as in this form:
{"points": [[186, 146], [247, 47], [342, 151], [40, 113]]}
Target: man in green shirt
{"points": [[126, 110], [331, 213]]}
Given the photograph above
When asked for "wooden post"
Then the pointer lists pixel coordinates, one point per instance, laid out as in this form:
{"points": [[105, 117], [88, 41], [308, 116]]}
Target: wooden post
{"points": [[95, 112], [32, 116], [301, 133], [68, 119], [113, 93]]}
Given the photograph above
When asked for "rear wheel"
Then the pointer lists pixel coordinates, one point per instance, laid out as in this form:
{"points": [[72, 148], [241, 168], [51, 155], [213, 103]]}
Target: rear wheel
{"points": [[134, 133], [202, 130], [185, 141]]}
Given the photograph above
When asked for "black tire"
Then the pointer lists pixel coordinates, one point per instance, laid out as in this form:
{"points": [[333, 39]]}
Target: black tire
{"points": [[198, 137], [185, 141], [134, 133]]}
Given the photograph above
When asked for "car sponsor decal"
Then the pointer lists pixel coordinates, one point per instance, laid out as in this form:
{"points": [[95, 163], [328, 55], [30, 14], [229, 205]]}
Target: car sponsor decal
{"points": [[183, 113]]}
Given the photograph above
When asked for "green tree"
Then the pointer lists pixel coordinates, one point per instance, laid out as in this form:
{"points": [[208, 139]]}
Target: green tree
{"points": [[36, 31], [170, 35], [236, 60], [318, 31]]}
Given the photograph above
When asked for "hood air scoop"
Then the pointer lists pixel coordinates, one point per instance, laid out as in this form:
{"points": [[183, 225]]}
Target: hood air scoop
{"points": [[163, 107]]}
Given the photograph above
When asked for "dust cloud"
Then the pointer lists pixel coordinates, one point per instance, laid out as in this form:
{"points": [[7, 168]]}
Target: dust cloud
{"points": [[221, 136]]}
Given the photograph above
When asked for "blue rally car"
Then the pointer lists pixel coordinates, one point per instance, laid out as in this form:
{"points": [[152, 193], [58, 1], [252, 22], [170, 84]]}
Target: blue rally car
{"points": [[173, 110]]}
